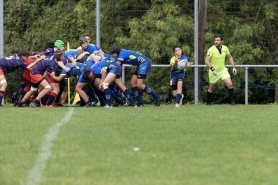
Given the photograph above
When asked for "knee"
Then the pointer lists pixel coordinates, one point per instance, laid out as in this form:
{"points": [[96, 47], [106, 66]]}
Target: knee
{"points": [[3, 84], [132, 83], [211, 89], [230, 85]]}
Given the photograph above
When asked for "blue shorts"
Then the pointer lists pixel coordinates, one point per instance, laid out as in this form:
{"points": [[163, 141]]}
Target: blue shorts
{"points": [[117, 70], [144, 68], [82, 80], [174, 80]]}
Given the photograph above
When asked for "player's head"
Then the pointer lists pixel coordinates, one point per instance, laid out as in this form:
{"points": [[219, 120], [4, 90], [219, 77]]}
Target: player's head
{"points": [[60, 45], [83, 42], [58, 55], [88, 74], [218, 39], [219, 36], [24, 54], [87, 36], [115, 51], [177, 50]]}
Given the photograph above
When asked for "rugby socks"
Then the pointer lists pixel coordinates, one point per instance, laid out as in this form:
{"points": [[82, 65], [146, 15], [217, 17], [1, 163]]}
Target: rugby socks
{"points": [[45, 99], [129, 97], [151, 92], [100, 97], [178, 98], [137, 94], [51, 98], [90, 92], [22, 94], [2, 93], [19, 88], [208, 97], [107, 93], [231, 95], [114, 95]]}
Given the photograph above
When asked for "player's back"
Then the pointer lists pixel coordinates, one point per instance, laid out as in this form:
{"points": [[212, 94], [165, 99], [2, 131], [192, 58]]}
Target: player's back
{"points": [[132, 57], [49, 65], [70, 53], [12, 63]]}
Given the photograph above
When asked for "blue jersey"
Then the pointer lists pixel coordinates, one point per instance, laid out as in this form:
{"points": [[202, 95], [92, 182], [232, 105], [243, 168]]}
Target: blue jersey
{"points": [[70, 53], [132, 57], [104, 64], [174, 70], [91, 62], [109, 57], [92, 48], [45, 65], [75, 71], [12, 63]]}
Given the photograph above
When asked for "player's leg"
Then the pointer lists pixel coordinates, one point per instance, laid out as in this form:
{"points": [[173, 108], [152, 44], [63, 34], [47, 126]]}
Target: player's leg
{"points": [[99, 92], [79, 89], [179, 96], [136, 90], [64, 93], [126, 92], [107, 91], [229, 84], [55, 86], [143, 71], [46, 88], [213, 80], [209, 93], [3, 86]]}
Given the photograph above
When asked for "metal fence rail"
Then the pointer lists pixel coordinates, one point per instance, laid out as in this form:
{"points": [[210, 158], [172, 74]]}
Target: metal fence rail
{"points": [[196, 90]]}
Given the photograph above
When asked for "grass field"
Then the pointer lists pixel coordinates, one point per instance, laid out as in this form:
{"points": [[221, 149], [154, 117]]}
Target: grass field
{"points": [[193, 144]]}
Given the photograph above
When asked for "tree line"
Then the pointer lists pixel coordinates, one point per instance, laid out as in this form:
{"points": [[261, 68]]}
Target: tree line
{"points": [[153, 27]]}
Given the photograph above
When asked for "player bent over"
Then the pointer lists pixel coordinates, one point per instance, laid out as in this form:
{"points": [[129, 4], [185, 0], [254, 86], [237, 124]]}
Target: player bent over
{"points": [[143, 69], [8, 65], [38, 79], [110, 71]]}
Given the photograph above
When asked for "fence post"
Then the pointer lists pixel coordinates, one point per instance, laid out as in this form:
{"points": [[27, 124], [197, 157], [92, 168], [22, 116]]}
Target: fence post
{"points": [[246, 85]]}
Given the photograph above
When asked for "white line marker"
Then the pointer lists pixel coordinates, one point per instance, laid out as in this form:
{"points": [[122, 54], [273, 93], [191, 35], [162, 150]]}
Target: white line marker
{"points": [[34, 177]]}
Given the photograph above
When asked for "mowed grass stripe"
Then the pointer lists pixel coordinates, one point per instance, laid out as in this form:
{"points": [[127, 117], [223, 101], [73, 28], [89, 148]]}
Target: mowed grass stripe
{"points": [[194, 144]]}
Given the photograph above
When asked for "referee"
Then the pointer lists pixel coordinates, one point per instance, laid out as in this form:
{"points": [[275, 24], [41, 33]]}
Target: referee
{"points": [[215, 60]]}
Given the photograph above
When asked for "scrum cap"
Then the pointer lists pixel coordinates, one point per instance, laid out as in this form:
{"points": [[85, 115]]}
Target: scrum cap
{"points": [[58, 43], [115, 49], [82, 40]]}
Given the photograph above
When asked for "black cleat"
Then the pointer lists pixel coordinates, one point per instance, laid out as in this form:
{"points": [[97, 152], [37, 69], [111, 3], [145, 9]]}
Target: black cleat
{"points": [[158, 101], [233, 104], [209, 104]]}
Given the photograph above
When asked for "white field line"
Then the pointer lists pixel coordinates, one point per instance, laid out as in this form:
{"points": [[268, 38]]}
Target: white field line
{"points": [[34, 177]]}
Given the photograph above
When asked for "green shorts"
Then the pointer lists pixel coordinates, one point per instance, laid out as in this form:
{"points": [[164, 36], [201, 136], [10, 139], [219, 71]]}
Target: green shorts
{"points": [[220, 75]]}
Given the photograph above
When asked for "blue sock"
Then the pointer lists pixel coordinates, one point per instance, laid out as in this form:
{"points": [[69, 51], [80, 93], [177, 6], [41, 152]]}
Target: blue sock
{"points": [[107, 93], [137, 94], [45, 99], [19, 88], [114, 95], [151, 92], [22, 94], [178, 98], [129, 97]]}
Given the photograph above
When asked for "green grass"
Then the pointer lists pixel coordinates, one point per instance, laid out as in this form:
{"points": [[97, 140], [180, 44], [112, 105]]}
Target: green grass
{"points": [[193, 144]]}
